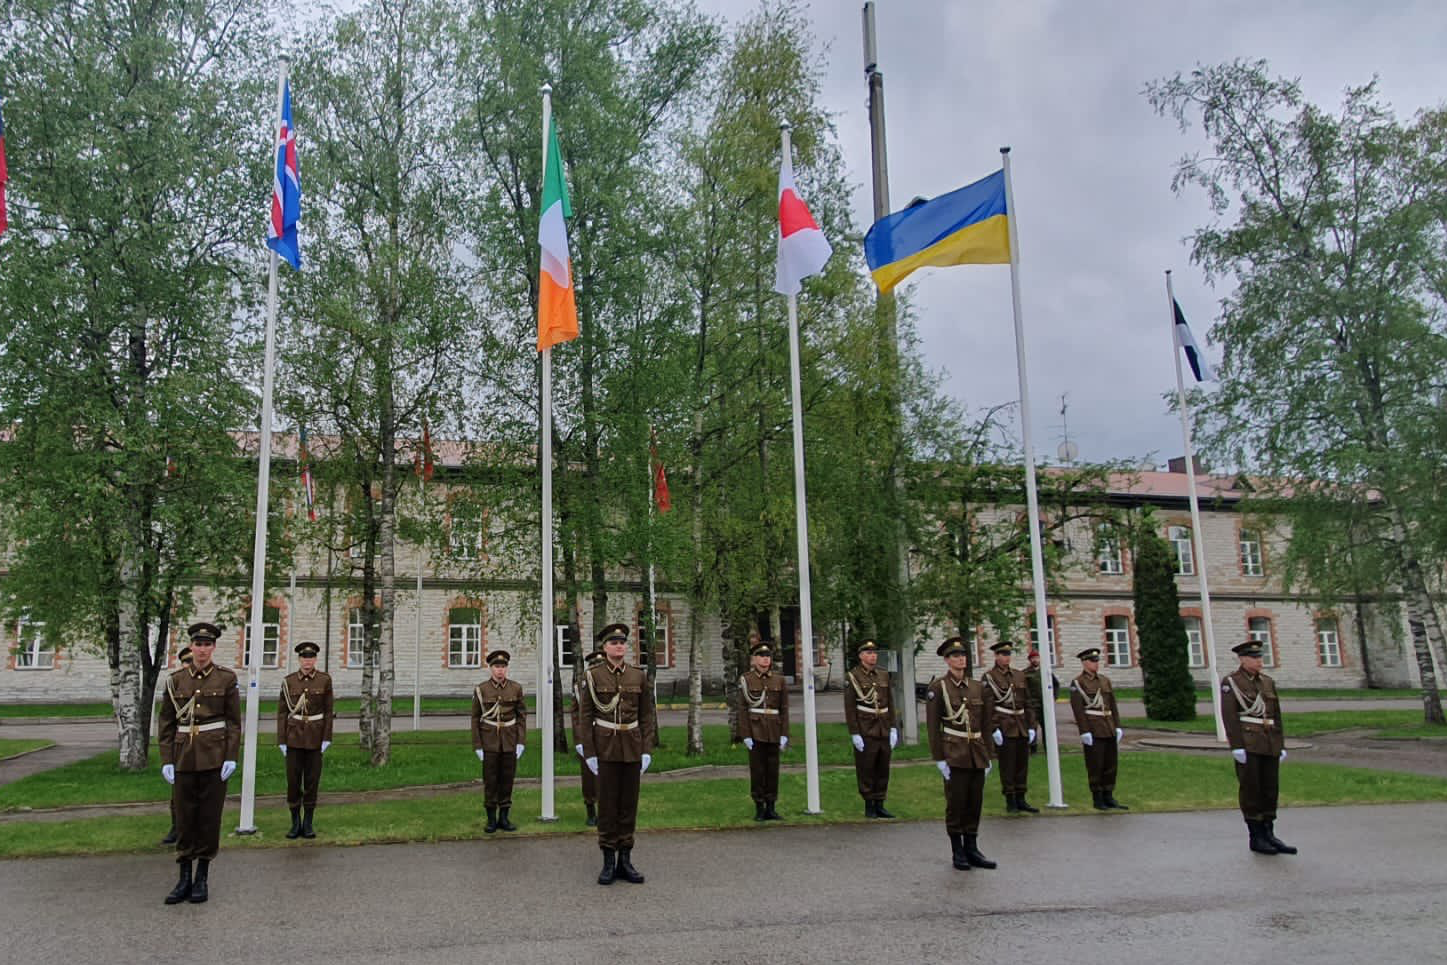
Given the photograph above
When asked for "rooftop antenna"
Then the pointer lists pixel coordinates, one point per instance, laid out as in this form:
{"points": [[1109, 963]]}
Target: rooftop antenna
{"points": [[1068, 451]]}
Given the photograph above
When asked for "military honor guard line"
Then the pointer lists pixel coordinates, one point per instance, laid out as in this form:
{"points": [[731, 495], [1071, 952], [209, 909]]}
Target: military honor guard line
{"points": [[972, 724]]}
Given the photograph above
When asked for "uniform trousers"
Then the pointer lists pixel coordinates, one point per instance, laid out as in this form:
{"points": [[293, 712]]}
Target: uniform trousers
{"points": [[498, 770], [618, 803], [964, 794], [303, 776], [1100, 763], [764, 772], [589, 782], [1015, 765], [871, 767], [1259, 785], [200, 797]]}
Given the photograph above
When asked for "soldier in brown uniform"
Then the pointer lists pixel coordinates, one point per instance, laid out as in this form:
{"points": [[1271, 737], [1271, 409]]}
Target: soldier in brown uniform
{"points": [[1014, 727], [499, 733], [200, 733], [1034, 685], [763, 727], [1252, 715], [958, 716], [1092, 700], [183, 657], [304, 715], [588, 779], [869, 716], [618, 733]]}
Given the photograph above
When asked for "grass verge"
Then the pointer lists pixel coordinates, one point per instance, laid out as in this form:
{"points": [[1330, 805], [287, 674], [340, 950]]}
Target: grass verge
{"points": [[1297, 725], [11, 747], [1148, 782]]}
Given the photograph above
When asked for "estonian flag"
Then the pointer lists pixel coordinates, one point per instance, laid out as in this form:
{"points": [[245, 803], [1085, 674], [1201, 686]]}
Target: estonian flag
{"points": [[1200, 368]]}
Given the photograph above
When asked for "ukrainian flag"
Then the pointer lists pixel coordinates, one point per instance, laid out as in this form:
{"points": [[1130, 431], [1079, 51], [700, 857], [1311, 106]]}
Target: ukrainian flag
{"points": [[969, 226]]}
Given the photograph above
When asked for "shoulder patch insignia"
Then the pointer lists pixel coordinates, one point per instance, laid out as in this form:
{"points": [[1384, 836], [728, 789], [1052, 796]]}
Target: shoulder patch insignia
{"points": [[1225, 688]]}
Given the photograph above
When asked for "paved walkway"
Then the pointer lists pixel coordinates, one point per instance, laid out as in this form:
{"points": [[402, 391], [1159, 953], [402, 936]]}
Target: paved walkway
{"points": [[1368, 886]]}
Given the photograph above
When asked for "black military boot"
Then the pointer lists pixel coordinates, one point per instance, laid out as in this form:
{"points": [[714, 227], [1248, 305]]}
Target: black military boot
{"points": [[957, 852], [869, 810], [879, 810], [1260, 843], [592, 821], [295, 831], [503, 822], [1097, 798], [625, 869], [973, 855], [199, 891], [1025, 805], [171, 835], [760, 811], [770, 814], [610, 868], [1010, 806], [182, 891], [1111, 802], [306, 823], [1269, 832], [491, 825]]}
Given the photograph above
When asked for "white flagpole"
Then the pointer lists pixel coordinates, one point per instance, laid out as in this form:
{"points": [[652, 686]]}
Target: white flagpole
{"points": [[545, 631], [801, 526], [247, 823], [652, 586], [1032, 501], [1198, 538], [417, 639]]}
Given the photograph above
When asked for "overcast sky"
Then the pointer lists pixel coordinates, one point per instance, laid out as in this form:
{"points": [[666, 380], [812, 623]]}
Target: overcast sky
{"points": [[1060, 82]]}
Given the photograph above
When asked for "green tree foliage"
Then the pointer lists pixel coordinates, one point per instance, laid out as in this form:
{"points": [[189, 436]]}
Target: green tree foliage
{"points": [[1170, 693], [1331, 225]]}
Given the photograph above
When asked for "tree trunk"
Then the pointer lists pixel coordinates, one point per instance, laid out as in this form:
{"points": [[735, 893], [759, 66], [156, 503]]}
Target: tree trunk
{"points": [[696, 600], [1421, 619], [386, 651], [125, 668]]}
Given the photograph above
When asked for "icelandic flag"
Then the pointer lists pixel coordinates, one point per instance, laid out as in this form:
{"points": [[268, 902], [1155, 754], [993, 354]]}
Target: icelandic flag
{"points": [[1200, 368], [285, 190]]}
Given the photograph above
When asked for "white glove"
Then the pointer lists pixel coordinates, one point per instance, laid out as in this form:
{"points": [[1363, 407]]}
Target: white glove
{"points": [[1283, 754], [749, 743], [858, 742], [988, 768], [519, 752], [168, 771], [647, 759], [592, 763], [1031, 732], [282, 748], [1088, 739], [478, 752], [325, 745], [227, 769], [893, 737], [999, 738], [1119, 734], [783, 743], [579, 749], [944, 767], [1240, 755]]}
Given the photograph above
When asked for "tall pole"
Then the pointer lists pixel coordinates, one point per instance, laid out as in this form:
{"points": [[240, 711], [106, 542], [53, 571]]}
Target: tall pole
{"points": [[247, 823], [417, 638], [801, 528], [545, 631], [1198, 538], [1032, 501], [901, 637]]}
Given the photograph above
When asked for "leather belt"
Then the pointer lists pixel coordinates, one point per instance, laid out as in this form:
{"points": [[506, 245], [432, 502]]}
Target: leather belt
{"points": [[309, 718], [764, 710], [1263, 721], [1007, 710], [500, 723], [609, 725], [973, 735], [871, 710], [1099, 713], [189, 729]]}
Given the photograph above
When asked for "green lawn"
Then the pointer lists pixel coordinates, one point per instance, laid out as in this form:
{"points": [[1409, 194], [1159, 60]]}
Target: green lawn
{"points": [[1289, 693], [9, 747], [1148, 782], [1417, 730], [418, 758], [1297, 725]]}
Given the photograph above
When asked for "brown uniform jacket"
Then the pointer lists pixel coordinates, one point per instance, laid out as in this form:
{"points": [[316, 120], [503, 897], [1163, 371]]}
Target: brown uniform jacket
{"points": [[1092, 700], [304, 711], [959, 716], [1252, 713], [615, 713], [200, 719], [763, 707], [867, 708], [1013, 713], [499, 716]]}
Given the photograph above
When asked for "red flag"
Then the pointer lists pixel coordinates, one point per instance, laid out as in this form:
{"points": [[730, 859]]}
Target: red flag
{"points": [[660, 480], [308, 485], [423, 466]]}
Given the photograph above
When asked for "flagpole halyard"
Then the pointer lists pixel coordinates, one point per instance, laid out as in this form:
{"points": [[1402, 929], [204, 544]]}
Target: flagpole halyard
{"points": [[545, 631]]}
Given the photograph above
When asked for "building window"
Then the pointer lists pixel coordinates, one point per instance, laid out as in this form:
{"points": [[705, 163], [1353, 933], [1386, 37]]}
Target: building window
{"points": [[464, 533], [1251, 554], [32, 651], [566, 636], [464, 637], [1050, 632], [1107, 555], [1195, 642], [661, 640], [1328, 642], [1117, 641], [356, 637], [1259, 629], [270, 637], [1180, 537]]}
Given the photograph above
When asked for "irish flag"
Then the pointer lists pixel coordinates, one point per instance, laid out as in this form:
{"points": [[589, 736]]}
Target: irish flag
{"points": [[557, 311]]}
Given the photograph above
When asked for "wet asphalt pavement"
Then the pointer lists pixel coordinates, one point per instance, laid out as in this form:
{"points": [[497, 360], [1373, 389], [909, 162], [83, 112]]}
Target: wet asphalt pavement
{"points": [[1162, 888]]}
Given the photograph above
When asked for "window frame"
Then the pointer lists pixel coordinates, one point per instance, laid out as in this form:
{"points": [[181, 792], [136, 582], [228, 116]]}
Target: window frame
{"points": [[1198, 644], [1108, 565], [270, 635], [461, 647], [1185, 549], [663, 624], [1269, 660], [1107, 631], [1337, 660], [1250, 566], [40, 654], [356, 638]]}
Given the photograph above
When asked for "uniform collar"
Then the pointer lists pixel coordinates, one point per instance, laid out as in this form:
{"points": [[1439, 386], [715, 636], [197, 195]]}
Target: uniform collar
{"points": [[306, 676], [618, 670], [950, 676], [496, 683], [1087, 675], [202, 674]]}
